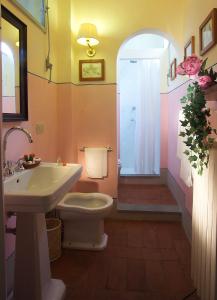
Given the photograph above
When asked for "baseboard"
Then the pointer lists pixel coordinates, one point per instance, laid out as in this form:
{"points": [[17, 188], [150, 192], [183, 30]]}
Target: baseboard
{"points": [[10, 262], [179, 195]]}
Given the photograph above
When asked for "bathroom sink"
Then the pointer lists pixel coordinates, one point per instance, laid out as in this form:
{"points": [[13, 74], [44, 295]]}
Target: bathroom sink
{"points": [[38, 190]]}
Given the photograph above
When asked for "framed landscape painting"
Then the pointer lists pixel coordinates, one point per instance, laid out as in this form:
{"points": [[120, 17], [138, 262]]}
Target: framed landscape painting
{"points": [[208, 32], [189, 48], [91, 70], [173, 69]]}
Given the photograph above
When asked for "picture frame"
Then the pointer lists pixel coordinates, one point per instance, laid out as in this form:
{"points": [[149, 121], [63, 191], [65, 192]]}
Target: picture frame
{"points": [[173, 69], [92, 70], [36, 12], [208, 32], [189, 48]]}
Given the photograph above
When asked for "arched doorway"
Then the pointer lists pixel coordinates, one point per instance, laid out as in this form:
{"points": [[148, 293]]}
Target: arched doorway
{"points": [[140, 77], [143, 82]]}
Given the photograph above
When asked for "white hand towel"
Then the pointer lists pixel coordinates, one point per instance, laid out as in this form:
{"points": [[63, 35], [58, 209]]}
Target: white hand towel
{"points": [[96, 162]]}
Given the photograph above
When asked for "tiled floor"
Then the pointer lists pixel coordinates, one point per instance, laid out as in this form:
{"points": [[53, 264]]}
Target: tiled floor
{"points": [[143, 261], [145, 194]]}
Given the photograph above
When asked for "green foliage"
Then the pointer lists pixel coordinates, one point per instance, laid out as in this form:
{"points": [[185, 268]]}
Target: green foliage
{"points": [[196, 126], [209, 72]]}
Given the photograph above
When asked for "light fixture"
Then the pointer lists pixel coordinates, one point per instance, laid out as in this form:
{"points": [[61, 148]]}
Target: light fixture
{"points": [[87, 36]]}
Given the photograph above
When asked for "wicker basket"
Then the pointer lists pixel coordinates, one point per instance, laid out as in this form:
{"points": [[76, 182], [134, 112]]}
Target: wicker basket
{"points": [[54, 238]]}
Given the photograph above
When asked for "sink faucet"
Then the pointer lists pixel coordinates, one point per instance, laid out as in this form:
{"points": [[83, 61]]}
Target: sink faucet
{"points": [[5, 139]]}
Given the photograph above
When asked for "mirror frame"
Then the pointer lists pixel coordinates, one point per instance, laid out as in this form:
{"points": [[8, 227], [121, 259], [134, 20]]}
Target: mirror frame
{"points": [[23, 114]]}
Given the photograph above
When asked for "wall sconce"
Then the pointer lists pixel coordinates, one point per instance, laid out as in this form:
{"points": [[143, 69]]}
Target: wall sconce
{"points": [[87, 36]]}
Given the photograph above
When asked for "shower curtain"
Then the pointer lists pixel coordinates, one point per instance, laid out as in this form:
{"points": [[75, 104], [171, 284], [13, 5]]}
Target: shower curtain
{"points": [[147, 130], [204, 230]]}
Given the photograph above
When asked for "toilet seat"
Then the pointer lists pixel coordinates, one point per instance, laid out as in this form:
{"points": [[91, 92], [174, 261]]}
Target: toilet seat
{"points": [[85, 202]]}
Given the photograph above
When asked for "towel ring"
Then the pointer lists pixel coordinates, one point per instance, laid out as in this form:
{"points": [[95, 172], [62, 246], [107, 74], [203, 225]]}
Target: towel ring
{"points": [[109, 149]]}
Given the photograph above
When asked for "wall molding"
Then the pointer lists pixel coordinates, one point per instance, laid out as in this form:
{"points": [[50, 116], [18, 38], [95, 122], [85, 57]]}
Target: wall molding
{"points": [[69, 82], [111, 83]]}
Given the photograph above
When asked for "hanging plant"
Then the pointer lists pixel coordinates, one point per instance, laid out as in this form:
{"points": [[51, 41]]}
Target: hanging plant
{"points": [[196, 127]]}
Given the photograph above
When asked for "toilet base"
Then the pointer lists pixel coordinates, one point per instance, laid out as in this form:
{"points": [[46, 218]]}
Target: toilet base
{"points": [[87, 245], [84, 234]]}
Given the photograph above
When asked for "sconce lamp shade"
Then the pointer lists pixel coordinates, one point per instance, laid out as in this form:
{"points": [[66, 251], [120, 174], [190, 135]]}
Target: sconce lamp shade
{"points": [[87, 35]]}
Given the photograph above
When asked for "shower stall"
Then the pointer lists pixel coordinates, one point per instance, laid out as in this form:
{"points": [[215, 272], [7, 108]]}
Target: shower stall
{"points": [[139, 88]]}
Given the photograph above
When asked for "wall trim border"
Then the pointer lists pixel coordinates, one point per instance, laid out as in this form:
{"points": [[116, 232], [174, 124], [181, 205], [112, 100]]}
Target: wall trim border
{"points": [[69, 82], [112, 83]]}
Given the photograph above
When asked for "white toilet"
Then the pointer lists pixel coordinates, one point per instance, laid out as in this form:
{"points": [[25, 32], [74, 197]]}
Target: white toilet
{"points": [[83, 217]]}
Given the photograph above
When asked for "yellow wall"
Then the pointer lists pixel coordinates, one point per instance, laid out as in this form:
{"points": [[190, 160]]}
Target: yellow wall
{"points": [[118, 20], [62, 41], [34, 65], [195, 13], [37, 42]]}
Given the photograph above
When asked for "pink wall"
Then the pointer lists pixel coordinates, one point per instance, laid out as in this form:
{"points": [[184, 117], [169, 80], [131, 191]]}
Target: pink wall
{"points": [[173, 162], [96, 127], [87, 118], [67, 122], [42, 99], [164, 131]]}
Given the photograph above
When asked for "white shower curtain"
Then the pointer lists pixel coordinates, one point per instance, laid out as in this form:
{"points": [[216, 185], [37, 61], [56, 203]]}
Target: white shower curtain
{"points": [[147, 132]]}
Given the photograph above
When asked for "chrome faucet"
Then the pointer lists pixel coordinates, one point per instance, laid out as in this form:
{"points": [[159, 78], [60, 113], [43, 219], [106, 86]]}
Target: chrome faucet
{"points": [[7, 165]]}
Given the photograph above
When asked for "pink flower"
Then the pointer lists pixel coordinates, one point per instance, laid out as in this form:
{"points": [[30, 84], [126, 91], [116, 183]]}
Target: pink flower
{"points": [[204, 81], [192, 65], [180, 70]]}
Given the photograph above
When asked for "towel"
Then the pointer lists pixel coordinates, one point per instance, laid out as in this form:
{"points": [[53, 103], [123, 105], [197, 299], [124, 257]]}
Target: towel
{"points": [[185, 167], [96, 162]]}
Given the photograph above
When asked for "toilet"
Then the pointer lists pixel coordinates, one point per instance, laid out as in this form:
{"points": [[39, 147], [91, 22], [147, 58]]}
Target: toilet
{"points": [[83, 218]]}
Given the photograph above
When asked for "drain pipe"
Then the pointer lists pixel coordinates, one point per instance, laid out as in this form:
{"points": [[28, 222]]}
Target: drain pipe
{"points": [[48, 64]]}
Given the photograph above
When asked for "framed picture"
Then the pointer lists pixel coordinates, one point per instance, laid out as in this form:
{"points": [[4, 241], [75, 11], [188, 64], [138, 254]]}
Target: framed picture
{"points": [[189, 48], [208, 32], [91, 70], [173, 69]]}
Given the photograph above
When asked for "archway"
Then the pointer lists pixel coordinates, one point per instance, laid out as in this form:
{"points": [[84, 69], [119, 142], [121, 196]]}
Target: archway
{"points": [[143, 117], [142, 72]]}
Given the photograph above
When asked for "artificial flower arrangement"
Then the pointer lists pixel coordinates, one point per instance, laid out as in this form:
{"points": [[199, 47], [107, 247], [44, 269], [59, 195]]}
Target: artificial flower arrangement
{"points": [[196, 127]]}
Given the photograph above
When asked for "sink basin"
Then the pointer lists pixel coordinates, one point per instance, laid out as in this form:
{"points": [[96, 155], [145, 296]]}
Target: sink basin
{"points": [[39, 189]]}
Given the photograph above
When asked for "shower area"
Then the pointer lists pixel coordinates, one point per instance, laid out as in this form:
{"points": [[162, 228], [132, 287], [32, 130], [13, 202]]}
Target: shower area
{"points": [[139, 86], [142, 66], [140, 116]]}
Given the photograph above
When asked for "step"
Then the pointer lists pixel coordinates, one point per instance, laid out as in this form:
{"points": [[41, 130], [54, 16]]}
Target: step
{"points": [[144, 179], [125, 211]]}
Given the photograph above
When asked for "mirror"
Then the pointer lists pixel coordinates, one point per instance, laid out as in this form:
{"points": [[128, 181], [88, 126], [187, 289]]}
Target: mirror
{"points": [[14, 67]]}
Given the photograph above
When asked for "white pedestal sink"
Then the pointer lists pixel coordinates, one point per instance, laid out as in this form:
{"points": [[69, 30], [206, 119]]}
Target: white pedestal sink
{"points": [[31, 194]]}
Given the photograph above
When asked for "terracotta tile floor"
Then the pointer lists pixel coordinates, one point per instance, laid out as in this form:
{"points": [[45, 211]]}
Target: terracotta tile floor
{"points": [[145, 194], [143, 261]]}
